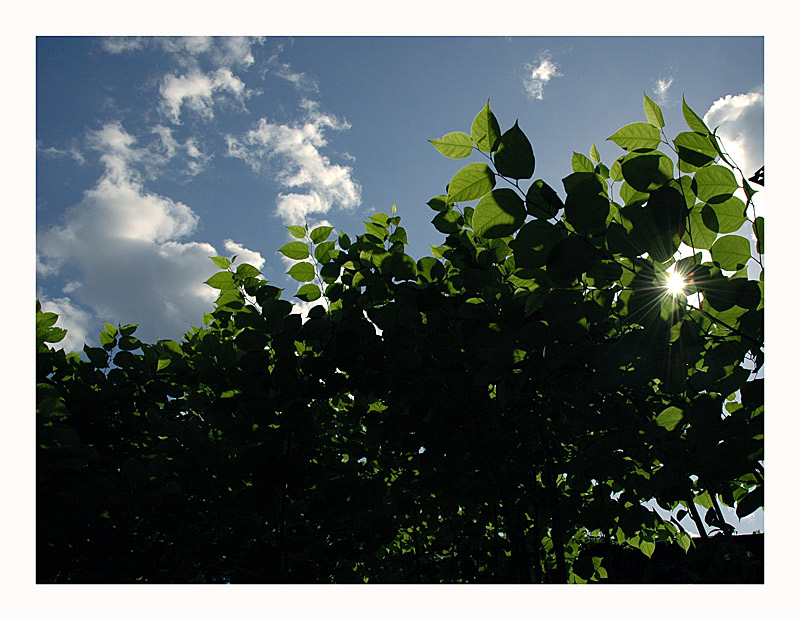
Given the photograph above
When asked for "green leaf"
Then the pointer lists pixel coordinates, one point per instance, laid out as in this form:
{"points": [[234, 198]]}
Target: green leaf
{"points": [[98, 357], [302, 272], [455, 145], [694, 122], [670, 418], [107, 341], [587, 206], [438, 203], [447, 222], [222, 280], [750, 503], [251, 340], [647, 171], [616, 171], [724, 217], [471, 182], [581, 163], [636, 137], [323, 251], [162, 364], [647, 547], [320, 233], [247, 271], [542, 201], [308, 292], [731, 252], [698, 235], [715, 181], [594, 154], [221, 261], [297, 231], [694, 149], [129, 343], [653, 113], [758, 229], [514, 157], [499, 214], [485, 130], [296, 250]]}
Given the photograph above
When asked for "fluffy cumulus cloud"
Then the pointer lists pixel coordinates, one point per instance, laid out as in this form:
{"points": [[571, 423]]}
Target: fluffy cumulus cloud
{"points": [[129, 249], [740, 119], [292, 153], [538, 74]]}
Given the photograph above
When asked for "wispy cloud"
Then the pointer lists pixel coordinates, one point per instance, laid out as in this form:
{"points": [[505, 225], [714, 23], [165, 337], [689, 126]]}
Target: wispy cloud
{"points": [[300, 80], [538, 74], [300, 164], [227, 51], [661, 89]]}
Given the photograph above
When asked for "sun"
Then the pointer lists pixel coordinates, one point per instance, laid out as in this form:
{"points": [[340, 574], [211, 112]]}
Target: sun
{"points": [[675, 283]]}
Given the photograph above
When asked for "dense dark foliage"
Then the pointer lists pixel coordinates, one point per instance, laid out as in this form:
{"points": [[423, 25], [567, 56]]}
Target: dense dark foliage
{"points": [[496, 412]]}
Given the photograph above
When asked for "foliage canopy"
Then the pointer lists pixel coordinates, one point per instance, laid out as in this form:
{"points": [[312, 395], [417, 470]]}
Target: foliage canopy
{"points": [[477, 415]]}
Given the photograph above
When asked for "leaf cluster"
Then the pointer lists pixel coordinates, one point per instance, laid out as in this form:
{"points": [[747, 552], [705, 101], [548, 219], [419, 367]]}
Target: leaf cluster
{"points": [[483, 414]]}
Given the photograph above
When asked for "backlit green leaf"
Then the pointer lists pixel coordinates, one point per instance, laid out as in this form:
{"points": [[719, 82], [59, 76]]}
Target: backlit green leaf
{"points": [[221, 261], [758, 229], [222, 280], [514, 157], [542, 201], [296, 250], [637, 137], [731, 252], [308, 292], [471, 182], [594, 154], [297, 231], [715, 181], [698, 235], [695, 149], [499, 214], [320, 233], [455, 145], [653, 113], [581, 163], [724, 217], [485, 130], [670, 418], [647, 171], [694, 122], [302, 272]]}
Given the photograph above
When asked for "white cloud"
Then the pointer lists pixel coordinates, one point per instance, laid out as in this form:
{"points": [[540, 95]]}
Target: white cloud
{"points": [[79, 323], [195, 91], [227, 51], [662, 89], [300, 164], [126, 245], [195, 158], [243, 254], [300, 80], [538, 74], [740, 119]]}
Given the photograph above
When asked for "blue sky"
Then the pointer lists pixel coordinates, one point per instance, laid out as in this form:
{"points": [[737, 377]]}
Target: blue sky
{"points": [[154, 153]]}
